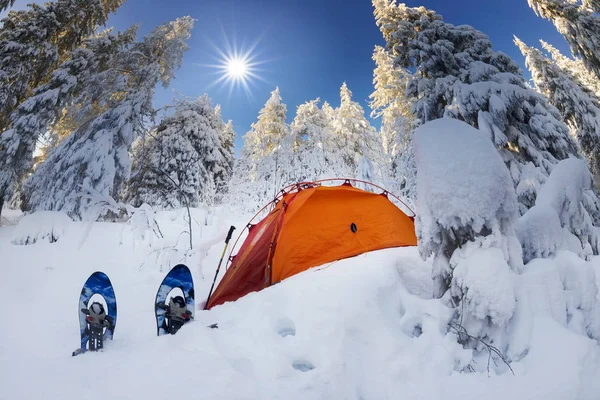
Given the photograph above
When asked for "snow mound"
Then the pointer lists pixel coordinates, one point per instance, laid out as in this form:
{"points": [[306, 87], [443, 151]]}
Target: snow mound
{"points": [[10, 217], [41, 225]]}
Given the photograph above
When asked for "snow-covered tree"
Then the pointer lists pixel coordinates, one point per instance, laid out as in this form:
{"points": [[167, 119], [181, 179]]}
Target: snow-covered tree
{"points": [[575, 68], [4, 4], [358, 143], [579, 23], [270, 128], [312, 131], [78, 85], [457, 204], [175, 167], [467, 214], [34, 42], [389, 102], [266, 162], [580, 111], [226, 161], [95, 159], [457, 74]]}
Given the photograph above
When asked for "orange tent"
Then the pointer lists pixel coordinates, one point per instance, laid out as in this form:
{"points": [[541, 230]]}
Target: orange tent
{"points": [[310, 225]]}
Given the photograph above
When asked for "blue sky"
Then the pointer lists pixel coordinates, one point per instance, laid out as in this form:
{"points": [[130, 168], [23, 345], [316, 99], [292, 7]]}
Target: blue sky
{"points": [[307, 48]]}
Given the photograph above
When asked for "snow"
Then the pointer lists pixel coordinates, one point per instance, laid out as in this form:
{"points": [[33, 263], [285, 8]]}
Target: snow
{"points": [[455, 158], [362, 328], [539, 232], [45, 225], [464, 190], [484, 278], [562, 215]]}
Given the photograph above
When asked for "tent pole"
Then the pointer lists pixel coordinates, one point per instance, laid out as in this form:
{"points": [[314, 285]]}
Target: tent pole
{"points": [[219, 266]]}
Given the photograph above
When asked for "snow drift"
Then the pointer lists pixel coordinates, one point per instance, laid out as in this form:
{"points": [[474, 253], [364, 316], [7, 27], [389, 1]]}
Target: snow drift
{"points": [[361, 328]]}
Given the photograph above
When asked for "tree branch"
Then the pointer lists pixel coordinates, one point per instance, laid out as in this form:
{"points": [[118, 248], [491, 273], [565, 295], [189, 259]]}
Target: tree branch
{"points": [[460, 330]]}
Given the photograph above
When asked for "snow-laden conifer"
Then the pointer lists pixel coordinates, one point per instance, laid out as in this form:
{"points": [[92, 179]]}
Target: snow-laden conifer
{"points": [[457, 74], [579, 23], [95, 159], [34, 42], [389, 102], [580, 111], [80, 85]]}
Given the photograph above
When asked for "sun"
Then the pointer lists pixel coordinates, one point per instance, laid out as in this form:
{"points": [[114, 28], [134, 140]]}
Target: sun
{"points": [[237, 68]]}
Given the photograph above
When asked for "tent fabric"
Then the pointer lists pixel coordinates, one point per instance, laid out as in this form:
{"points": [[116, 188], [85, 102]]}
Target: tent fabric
{"points": [[311, 227]]}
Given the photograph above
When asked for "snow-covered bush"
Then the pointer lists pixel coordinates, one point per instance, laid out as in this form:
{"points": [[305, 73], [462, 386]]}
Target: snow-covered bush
{"points": [[42, 225], [464, 191], [539, 233], [466, 212], [562, 217]]}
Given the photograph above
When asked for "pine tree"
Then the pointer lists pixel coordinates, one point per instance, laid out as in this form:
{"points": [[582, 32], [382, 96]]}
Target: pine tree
{"points": [[95, 158], [389, 102], [578, 23], [580, 111], [34, 42], [458, 75], [78, 85], [173, 169]]}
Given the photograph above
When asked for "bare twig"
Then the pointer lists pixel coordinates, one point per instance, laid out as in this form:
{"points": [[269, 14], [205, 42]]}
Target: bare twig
{"points": [[460, 330], [187, 204]]}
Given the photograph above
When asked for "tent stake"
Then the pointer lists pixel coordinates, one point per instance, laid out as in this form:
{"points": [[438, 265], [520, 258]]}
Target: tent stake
{"points": [[219, 266]]}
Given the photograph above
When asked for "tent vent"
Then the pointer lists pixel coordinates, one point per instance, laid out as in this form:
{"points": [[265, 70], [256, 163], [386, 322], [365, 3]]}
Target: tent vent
{"points": [[353, 227]]}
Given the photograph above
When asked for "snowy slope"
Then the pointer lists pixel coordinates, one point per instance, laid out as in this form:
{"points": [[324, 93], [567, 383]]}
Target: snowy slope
{"points": [[363, 328]]}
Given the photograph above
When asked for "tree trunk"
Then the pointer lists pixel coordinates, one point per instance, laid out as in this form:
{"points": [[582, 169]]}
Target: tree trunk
{"points": [[1, 205]]}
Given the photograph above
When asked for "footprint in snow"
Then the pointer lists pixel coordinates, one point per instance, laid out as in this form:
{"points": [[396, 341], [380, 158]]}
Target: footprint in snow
{"points": [[286, 327], [303, 365]]}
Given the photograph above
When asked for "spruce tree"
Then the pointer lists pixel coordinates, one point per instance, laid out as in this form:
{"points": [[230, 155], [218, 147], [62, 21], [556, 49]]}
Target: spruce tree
{"points": [[311, 131], [77, 85], [225, 166], [458, 75], [173, 168], [580, 111], [266, 163], [34, 42], [576, 69], [95, 159], [355, 138], [578, 23], [389, 102], [4, 4]]}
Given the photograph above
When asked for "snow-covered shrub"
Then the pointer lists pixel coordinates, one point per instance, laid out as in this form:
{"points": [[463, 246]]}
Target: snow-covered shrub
{"points": [[42, 225], [464, 191], [581, 293], [466, 212], [565, 289], [539, 232], [570, 191], [562, 217]]}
